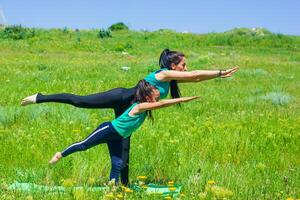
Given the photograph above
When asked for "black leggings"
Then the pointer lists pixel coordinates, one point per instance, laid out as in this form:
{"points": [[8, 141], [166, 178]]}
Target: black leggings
{"points": [[105, 133], [118, 99]]}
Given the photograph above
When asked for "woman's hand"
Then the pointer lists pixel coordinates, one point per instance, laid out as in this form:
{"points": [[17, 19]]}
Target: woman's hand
{"points": [[228, 72]]}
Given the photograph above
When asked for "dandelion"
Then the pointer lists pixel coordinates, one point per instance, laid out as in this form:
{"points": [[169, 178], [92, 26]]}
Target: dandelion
{"points": [[142, 177], [128, 190], [171, 183], [211, 182], [168, 197], [172, 188], [290, 198]]}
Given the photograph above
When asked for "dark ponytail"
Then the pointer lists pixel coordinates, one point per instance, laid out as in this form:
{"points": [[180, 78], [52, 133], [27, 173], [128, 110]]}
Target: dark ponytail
{"points": [[163, 59], [144, 89], [166, 58]]}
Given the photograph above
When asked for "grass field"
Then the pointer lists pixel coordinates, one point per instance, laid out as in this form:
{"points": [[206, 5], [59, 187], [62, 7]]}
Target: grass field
{"points": [[241, 140]]}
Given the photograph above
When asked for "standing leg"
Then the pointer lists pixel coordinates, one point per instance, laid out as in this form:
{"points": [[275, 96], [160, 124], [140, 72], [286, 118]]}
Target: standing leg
{"points": [[121, 149], [125, 158], [115, 152], [119, 159]]}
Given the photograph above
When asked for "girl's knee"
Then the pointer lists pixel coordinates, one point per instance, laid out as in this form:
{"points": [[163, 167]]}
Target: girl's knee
{"points": [[82, 147]]}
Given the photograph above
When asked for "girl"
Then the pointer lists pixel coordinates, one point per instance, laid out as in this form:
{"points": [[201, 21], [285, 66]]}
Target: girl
{"points": [[146, 99], [173, 69]]}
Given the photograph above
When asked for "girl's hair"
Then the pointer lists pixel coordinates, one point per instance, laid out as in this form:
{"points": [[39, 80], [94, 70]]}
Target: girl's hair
{"points": [[166, 58], [144, 89]]}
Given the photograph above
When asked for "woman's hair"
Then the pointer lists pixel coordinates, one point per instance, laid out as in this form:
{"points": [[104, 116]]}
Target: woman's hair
{"points": [[166, 59], [144, 89]]}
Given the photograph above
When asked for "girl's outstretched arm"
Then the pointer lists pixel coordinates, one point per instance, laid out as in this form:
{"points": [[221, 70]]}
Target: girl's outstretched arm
{"points": [[139, 108], [194, 76]]}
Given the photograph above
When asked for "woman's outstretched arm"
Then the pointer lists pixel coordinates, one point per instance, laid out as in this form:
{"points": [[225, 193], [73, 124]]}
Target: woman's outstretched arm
{"points": [[194, 76]]}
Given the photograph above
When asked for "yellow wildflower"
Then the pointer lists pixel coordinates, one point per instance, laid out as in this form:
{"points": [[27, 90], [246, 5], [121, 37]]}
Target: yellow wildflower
{"points": [[290, 198], [171, 183], [172, 188], [128, 190], [211, 182], [142, 177], [168, 197]]}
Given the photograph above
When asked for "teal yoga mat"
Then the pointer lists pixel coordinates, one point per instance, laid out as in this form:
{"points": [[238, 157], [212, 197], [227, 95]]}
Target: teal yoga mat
{"points": [[148, 188]]}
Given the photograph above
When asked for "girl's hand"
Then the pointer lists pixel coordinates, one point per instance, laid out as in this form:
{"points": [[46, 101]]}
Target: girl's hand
{"points": [[186, 99], [228, 72]]}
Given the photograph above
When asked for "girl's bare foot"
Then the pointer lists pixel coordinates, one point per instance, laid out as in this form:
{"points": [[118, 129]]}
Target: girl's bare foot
{"points": [[29, 100], [55, 158]]}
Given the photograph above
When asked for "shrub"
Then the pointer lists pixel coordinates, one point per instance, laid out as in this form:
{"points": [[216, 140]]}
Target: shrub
{"points": [[249, 32], [278, 98], [104, 33], [123, 47], [65, 30], [118, 26], [17, 32]]}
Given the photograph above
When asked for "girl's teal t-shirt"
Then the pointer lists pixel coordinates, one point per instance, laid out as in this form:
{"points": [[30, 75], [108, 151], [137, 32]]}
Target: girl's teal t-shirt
{"points": [[163, 87], [125, 125]]}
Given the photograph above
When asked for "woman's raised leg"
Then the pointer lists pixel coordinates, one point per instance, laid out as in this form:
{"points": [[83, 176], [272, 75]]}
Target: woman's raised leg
{"points": [[108, 99]]}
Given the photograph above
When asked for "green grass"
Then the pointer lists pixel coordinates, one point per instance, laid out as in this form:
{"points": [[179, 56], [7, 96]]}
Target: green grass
{"points": [[243, 133]]}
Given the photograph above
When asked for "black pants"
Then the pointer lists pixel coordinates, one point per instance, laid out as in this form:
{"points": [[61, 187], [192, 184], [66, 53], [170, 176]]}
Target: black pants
{"points": [[118, 99], [105, 133]]}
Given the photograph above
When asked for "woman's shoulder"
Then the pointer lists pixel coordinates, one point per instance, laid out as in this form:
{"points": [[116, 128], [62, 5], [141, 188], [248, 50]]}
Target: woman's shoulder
{"points": [[161, 74]]}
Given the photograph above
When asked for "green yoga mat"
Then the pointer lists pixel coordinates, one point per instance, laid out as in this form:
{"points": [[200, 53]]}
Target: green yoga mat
{"points": [[163, 190], [150, 188], [31, 187]]}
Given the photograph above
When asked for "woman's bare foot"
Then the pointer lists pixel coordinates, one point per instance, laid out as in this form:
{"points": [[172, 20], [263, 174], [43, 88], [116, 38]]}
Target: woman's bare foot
{"points": [[55, 158], [29, 100]]}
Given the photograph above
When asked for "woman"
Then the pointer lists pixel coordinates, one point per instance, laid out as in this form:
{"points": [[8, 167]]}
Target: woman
{"points": [[173, 69], [146, 99]]}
